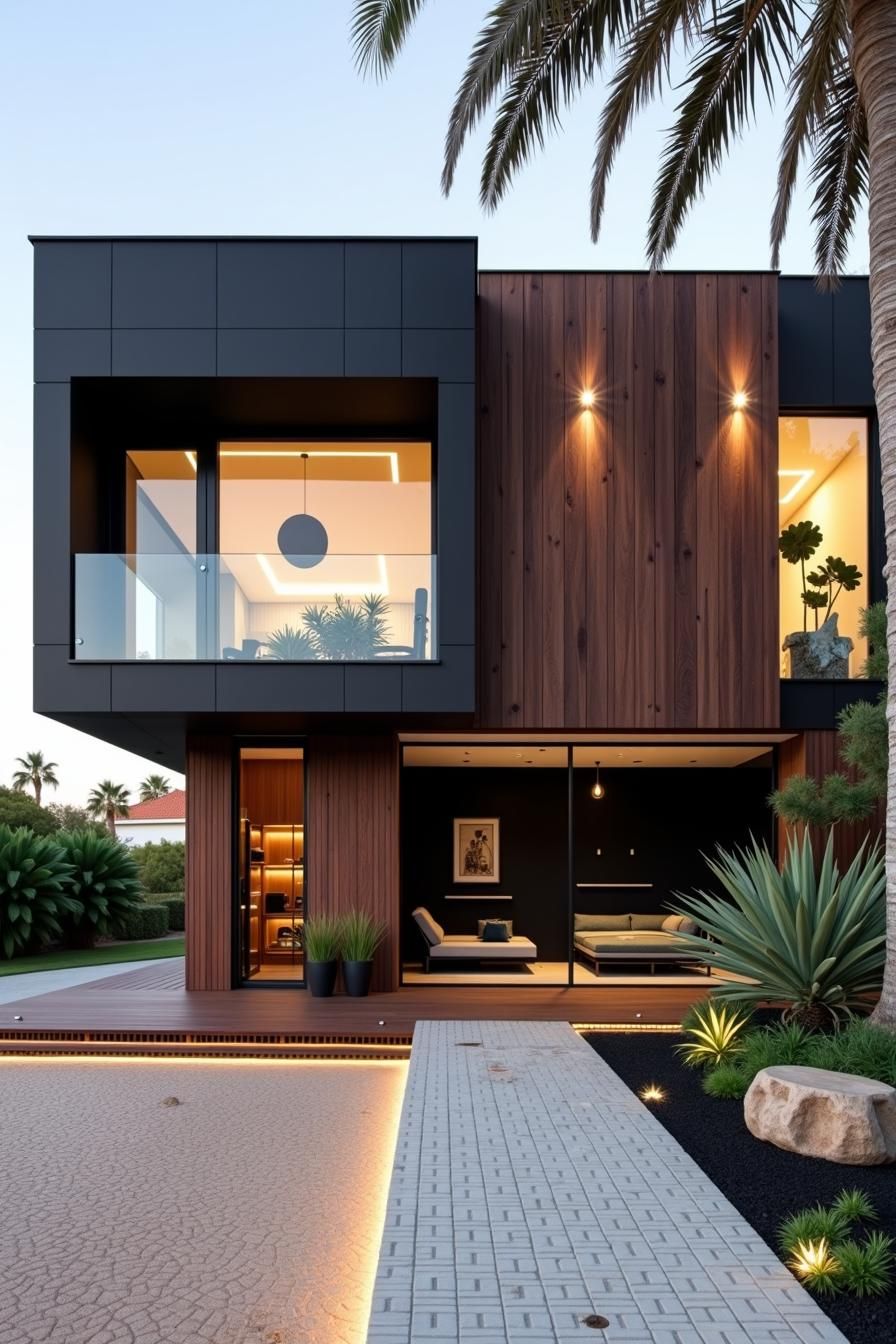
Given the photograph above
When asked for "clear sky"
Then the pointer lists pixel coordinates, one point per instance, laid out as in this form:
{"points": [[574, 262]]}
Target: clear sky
{"points": [[246, 116]]}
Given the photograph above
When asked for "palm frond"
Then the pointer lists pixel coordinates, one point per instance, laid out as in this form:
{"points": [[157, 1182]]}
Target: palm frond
{"points": [[839, 173], [644, 64], [379, 28], [745, 44], [544, 50], [823, 48]]}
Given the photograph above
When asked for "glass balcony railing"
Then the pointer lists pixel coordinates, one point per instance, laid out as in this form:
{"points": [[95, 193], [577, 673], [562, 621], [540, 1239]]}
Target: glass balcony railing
{"points": [[219, 608]]}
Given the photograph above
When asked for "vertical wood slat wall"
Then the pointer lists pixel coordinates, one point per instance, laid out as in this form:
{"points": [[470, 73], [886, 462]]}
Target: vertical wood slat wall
{"points": [[209, 864], [351, 841], [817, 754], [628, 555]]}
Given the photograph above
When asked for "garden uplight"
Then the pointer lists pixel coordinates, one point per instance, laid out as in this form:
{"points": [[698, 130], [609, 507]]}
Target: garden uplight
{"points": [[813, 1262], [652, 1092]]}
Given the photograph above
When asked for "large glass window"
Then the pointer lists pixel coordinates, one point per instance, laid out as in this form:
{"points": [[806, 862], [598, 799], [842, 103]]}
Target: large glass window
{"points": [[271, 864], [823, 520], [326, 550]]}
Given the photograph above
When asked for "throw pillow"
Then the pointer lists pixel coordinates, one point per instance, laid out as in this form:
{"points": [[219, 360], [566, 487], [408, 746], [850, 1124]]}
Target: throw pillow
{"points": [[673, 923], [495, 931]]}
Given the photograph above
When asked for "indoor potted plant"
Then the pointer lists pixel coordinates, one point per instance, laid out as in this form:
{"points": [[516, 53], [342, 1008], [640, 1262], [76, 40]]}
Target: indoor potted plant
{"points": [[361, 936], [322, 935], [821, 653]]}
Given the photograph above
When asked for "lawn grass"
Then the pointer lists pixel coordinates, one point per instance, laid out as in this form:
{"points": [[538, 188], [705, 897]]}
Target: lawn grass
{"points": [[106, 955]]}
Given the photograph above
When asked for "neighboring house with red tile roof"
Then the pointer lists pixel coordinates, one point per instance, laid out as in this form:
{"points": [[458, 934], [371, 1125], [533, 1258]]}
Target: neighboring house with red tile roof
{"points": [[159, 819]]}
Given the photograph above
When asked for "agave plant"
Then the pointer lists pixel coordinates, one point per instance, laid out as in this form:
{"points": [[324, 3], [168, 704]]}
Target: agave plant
{"points": [[104, 878], [715, 1035], [34, 877], [348, 631], [289, 645], [811, 939]]}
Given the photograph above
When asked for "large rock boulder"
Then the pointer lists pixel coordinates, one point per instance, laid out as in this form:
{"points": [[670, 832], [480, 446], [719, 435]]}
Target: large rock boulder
{"points": [[819, 1113]]}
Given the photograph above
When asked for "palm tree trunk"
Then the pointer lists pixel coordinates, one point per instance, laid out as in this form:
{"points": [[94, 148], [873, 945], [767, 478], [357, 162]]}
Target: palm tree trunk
{"points": [[110, 820], [874, 59], [37, 785]]}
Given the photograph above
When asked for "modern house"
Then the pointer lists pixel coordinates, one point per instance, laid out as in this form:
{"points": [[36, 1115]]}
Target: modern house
{"points": [[156, 819], [451, 591]]}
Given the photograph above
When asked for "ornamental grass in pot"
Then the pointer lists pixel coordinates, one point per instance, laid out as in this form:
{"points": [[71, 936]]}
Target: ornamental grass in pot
{"points": [[322, 937], [361, 936]]}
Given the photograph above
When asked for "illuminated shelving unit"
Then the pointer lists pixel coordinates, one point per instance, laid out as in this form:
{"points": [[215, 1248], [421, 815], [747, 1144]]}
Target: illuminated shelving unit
{"points": [[282, 871]]}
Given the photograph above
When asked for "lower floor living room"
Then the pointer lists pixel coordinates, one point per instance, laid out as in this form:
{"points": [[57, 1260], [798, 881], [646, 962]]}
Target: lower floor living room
{"points": [[540, 864]]}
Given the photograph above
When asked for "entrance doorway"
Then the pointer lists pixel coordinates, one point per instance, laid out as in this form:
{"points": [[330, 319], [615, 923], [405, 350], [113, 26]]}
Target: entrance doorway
{"points": [[271, 865]]}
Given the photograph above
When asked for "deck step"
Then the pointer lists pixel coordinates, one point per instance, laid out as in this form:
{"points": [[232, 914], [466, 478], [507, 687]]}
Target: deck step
{"points": [[203, 1046]]}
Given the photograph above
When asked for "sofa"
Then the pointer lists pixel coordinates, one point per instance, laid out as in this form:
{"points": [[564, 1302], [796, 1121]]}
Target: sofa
{"points": [[444, 948], [649, 938]]}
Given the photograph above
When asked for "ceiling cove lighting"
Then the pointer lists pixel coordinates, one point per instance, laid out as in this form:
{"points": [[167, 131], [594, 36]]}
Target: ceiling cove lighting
{"points": [[251, 452], [597, 789], [799, 479], [380, 588], [739, 401]]}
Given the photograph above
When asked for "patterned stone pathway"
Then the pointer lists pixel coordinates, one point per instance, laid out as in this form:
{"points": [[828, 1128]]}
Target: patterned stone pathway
{"points": [[531, 1189]]}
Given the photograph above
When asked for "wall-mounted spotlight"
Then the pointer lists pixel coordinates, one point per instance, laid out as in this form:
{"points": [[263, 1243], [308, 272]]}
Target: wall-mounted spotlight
{"points": [[597, 789], [587, 398], [739, 401]]}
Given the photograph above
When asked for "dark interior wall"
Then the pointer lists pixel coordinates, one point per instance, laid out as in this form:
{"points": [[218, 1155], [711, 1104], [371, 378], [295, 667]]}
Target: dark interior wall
{"points": [[667, 816]]}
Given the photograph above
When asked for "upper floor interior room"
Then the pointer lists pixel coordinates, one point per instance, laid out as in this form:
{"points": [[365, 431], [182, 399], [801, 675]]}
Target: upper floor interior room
{"points": [[536, 499]]}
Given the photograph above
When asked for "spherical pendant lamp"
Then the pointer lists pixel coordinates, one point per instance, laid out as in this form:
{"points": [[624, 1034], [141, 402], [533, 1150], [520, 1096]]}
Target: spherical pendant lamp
{"points": [[302, 538]]}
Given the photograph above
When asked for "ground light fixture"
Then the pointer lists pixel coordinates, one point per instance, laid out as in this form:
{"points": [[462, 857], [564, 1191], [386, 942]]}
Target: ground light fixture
{"points": [[597, 789], [813, 1259], [652, 1092]]}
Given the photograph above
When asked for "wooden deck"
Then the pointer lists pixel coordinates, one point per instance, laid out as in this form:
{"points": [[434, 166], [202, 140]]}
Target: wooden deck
{"points": [[149, 1011]]}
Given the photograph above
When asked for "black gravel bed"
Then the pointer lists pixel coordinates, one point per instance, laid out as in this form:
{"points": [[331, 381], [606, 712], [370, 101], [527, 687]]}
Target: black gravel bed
{"points": [[764, 1183]]}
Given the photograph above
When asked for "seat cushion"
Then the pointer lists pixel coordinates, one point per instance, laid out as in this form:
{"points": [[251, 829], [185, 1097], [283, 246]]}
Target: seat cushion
{"points": [[641, 943], [642, 922], [431, 930], [602, 923], [458, 946]]}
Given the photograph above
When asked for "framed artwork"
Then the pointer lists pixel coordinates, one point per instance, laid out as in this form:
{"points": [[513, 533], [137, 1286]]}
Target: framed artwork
{"points": [[477, 849]]}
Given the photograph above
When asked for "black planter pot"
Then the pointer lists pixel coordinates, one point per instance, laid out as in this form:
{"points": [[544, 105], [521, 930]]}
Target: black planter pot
{"points": [[320, 976], [356, 975]]}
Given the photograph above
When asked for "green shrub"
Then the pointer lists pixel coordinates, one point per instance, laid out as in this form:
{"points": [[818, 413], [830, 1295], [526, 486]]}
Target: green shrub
{"points": [[814, 940], [782, 1043], [34, 896], [144, 921], [855, 1206], [161, 865], [728, 1082], [103, 879], [323, 938], [861, 1047], [866, 1269], [715, 1036], [360, 936], [18, 809], [811, 1225], [176, 911]]}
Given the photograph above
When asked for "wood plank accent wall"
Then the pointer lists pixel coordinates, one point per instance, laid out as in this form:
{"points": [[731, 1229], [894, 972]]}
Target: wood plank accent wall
{"points": [[351, 842], [818, 754], [209, 860], [628, 555]]}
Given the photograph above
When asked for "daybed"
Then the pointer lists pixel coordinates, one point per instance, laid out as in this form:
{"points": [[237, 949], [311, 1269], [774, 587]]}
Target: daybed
{"points": [[443, 947], [649, 938]]}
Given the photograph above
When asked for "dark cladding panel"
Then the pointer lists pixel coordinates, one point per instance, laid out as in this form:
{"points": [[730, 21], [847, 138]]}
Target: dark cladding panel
{"points": [[281, 284], [163, 354], [456, 477], [448, 686], [52, 486], [449, 355], [72, 284], [853, 379], [373, 284], [372, 690], [289, 688], [60, 355], [805, 329], [165, 284], [438, 284], [62, 687], [371, 353], [163, 688], [281, 353]]}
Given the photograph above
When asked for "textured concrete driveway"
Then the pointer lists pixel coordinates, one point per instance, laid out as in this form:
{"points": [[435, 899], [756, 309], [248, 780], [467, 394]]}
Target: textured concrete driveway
{"points": [[250, 1213]]}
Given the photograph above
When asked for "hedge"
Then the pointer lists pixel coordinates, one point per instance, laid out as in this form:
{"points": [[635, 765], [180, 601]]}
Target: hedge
{"points": [[176, 910], [145, 921]]}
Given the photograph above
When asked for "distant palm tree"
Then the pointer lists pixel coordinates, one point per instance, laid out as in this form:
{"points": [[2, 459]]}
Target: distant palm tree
{"points": [[35, 772], [108, 801], [154, 786], [837, 60]]}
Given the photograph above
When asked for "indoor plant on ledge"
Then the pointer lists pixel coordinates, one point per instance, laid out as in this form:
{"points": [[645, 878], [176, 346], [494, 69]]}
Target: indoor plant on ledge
{"points": [[322, 937], [821, 653], [361, 936]]}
